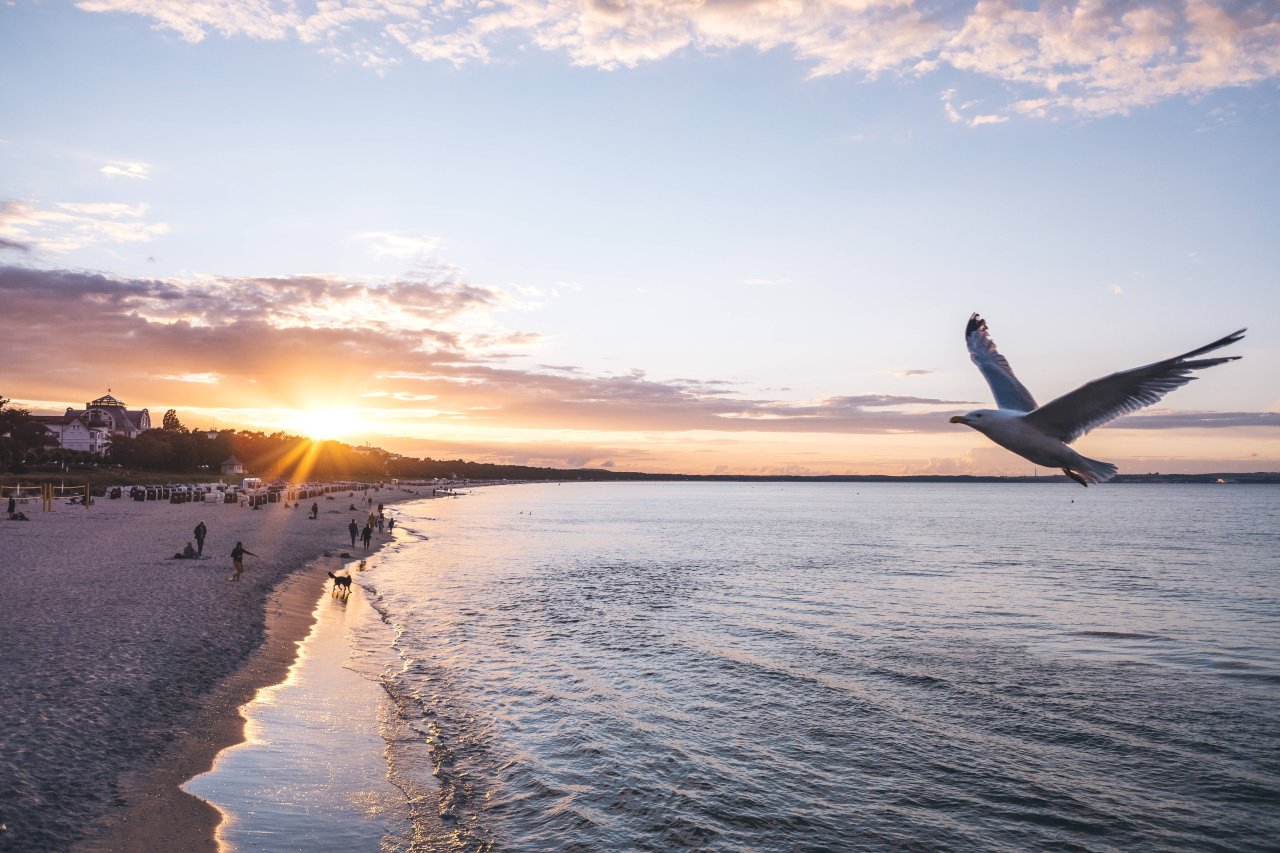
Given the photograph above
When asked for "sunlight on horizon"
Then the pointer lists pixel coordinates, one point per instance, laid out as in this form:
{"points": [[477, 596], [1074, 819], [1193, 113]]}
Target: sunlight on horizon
{"points": [[331, 423]]}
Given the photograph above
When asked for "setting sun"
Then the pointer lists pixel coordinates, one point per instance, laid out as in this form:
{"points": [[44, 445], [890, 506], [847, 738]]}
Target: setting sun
{"points": [[329, 423]]}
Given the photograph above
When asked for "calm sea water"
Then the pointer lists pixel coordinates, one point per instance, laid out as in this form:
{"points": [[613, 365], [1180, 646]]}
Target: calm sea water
{"points": [[791, 667]]}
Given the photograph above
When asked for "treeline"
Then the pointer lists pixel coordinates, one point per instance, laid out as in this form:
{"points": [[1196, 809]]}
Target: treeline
{"points": [[20, 437], [428, 469], [25, 445], [270, 456]]}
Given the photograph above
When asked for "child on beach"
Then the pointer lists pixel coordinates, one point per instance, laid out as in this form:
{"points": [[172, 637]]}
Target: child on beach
{"points": [[237, 559]]}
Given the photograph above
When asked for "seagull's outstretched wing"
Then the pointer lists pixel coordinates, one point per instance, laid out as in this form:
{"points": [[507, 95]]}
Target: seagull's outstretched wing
{"points": [[1092, 405], [1008, 391]]}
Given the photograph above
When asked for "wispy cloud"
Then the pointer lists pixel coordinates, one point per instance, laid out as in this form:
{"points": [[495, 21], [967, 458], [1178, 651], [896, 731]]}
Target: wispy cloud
{"points": [[956, 112], [67, 226], [198, 378], [1080, 57], [127, 169], [388, 244], [914, 371]]}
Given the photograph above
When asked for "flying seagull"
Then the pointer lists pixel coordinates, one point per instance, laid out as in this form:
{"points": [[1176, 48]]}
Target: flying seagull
{"points": [[1041, 434]]}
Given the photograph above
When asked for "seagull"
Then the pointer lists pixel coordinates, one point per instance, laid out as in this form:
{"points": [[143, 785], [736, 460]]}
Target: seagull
{"points": [[1040, 434]]}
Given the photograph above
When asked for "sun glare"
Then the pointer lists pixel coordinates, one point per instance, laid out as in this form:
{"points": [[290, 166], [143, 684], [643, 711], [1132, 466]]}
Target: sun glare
{"points": [[331, 423]]}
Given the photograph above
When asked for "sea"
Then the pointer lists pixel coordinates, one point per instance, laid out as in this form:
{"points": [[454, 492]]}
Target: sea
{"points": [[785, 667]]}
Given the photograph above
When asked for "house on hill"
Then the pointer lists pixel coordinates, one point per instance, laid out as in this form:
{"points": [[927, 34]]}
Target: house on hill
{"points": [[90, 429]]}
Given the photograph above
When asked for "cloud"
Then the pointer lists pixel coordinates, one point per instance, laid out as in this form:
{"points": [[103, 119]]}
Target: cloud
{"points": [[66, 226], [416, 352], [13, 245], [386, 244], [956, 114], [127, 169], [1197, 420], [201, 378], [1081, 57], [915, 371], [286, 341]]}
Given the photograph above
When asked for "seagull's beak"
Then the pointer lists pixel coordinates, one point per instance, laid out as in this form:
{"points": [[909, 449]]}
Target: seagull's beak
{"points": [[959, 419]]}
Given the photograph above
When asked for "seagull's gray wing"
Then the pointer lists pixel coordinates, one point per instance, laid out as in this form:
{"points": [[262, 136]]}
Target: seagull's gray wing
{"points": [[1008, 391], [1092, 405]]}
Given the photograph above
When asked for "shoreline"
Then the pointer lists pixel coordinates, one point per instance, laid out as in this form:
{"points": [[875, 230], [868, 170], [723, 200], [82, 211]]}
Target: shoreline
{"points": [[157, 813], [126, 669]]}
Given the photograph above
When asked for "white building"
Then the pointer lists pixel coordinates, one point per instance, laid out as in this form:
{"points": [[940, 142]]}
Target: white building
{"points": [[90, 429]]}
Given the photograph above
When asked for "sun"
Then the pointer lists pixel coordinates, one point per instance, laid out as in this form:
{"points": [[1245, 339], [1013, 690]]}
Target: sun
{"points": [[328, 423]]}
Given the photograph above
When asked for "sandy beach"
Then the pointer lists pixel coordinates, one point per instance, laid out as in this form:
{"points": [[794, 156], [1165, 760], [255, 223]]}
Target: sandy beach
{"points": [[124, 669]]}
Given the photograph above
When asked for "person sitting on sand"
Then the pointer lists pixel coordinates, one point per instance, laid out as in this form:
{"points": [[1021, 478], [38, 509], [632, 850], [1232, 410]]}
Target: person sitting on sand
{"points": [[237, 559], [187, 553]]}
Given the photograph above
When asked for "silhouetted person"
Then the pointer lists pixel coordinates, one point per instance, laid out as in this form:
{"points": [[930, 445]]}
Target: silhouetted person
{"points": [[391, 524], [201, 531], [13, 505], [237, 559], [315, 510], [367, 535], [189, 553], [354, 529]]}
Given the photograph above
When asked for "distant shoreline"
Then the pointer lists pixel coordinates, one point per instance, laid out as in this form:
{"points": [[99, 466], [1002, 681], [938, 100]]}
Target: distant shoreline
{"points": [[1254, 478], [554, 475]]}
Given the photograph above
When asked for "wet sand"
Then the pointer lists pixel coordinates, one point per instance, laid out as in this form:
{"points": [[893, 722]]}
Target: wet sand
{"points": [[124, 670]]}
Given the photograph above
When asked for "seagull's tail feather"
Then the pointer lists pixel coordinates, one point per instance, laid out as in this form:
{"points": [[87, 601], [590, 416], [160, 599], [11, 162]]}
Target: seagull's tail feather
{"points": [[1094, 471]]}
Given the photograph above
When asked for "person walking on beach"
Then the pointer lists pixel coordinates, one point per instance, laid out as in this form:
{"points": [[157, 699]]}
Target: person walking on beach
{"points": [[201, 531], [13, 506], [382, 520], [354, 529], [237, 559], [367, 535], [391, 524], [315, 510]]}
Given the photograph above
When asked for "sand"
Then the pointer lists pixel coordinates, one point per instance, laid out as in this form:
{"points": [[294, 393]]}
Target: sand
{"points": [[123, 671]]}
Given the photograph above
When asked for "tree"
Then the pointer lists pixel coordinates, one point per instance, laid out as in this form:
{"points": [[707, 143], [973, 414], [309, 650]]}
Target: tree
{"points": [[19, 434], [171, 421]]}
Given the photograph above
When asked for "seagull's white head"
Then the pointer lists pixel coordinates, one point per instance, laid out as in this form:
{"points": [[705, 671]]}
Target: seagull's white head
{"points": [[984, 420]]}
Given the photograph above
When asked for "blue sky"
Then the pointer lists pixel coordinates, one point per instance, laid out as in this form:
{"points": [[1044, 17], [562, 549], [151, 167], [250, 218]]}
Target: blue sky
{"points": [[635, 208]]}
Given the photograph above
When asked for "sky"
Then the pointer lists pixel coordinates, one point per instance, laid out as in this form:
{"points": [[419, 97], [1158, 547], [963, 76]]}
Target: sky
{"points": [[711, 236]]}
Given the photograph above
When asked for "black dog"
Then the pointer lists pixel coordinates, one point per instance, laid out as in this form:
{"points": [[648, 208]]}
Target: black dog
{"points": [[341, 582]]}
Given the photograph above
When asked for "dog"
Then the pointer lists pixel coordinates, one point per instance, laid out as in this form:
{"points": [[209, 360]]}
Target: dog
{"points": [[341, 583]]}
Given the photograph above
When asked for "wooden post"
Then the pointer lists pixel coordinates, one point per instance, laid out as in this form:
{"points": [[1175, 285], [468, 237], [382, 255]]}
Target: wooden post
{"points": [[46, 497], [86, 496]]}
